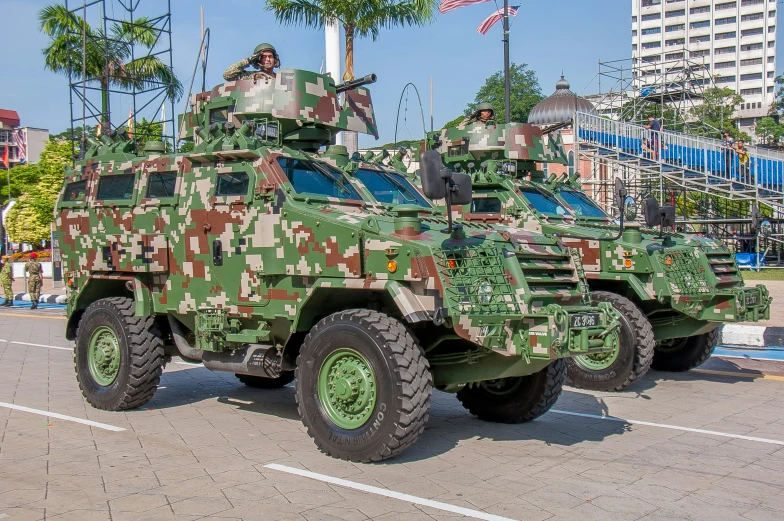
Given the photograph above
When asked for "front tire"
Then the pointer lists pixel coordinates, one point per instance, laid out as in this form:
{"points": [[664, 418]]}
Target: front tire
{"points": [[363, 386], [683, 354], [516, 399], [628, 362], [118, 356]]}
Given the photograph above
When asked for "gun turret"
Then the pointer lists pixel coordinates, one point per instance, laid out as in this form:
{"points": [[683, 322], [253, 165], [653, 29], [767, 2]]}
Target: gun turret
{"points": [[370, 78]]}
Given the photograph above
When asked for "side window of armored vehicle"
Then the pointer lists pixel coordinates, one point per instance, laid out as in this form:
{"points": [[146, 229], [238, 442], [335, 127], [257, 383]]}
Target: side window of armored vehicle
{"points": [[485, 205], [116, 189], [161, 189], [219, 116], [582, 205], [75, 193], [234, 183], [311, 178], [390, 188], [544, 203]]}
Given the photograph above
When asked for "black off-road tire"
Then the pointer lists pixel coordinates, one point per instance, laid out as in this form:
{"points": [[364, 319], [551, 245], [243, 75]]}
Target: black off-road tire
{"points": [[694, 351], [636, 345], [403, 385], [141, 355], [260, 382], [526, 398]]}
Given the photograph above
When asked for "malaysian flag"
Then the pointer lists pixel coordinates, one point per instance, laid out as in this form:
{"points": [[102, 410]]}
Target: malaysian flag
{"points": [[449, 5], [493, 18], [21, 147]]}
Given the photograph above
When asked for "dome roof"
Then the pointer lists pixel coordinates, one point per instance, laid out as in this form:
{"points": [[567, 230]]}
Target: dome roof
{"points": [[560, 106]]}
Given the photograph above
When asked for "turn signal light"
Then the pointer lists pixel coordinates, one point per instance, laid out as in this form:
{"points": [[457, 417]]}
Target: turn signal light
{"points": [[668, 261], [627, 263], [452, 263], [392, 266]]}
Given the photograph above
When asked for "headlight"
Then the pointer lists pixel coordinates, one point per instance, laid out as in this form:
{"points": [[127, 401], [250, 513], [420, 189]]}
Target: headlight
{"points": [[485, 292]]}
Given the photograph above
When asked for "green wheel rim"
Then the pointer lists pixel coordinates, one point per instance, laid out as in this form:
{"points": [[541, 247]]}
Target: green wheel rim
{"points": [[347, 388], [501, 386], [103, 356], [599, 361]]}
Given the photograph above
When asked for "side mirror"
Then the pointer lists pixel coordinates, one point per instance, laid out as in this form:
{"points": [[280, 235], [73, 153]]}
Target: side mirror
{"points": [[765, 228], [667, 216], [650, 210], [630, 208], [461, 191], [430, 172], [619, 191]]}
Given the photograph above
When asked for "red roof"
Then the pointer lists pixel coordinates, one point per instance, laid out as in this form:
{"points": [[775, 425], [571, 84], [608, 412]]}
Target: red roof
{"points": [[9, 117]]}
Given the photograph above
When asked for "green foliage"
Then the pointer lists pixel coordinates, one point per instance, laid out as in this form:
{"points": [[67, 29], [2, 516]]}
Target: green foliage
{"points": [[777, 107], [77, 133], [406, 143], [768, 131], [145, 131], [35, 188], [186, 146], [525, 93], [717, 111], [106, 55], [455, 122]]}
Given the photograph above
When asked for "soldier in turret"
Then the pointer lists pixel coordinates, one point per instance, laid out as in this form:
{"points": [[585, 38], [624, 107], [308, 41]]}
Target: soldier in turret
{"points": [[484, 113], [34, 268], [264, 58], [6, 278]]}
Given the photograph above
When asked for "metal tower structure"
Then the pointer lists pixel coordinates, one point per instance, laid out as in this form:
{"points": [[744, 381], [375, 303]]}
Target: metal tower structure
{"points": [[111, 45]]}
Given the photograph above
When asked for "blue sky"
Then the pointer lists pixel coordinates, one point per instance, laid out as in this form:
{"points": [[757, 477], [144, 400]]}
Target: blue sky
{"points": [[568, 35]]}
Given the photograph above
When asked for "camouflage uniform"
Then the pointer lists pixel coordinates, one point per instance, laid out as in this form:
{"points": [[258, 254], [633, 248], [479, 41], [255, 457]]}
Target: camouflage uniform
{"points": [[238, 72], [6, 278], [34, 268]]}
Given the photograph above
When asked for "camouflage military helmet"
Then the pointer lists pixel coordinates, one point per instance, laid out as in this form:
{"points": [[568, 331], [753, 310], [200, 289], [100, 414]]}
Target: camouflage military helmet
{"points": [[267, 47], [484, 106]]}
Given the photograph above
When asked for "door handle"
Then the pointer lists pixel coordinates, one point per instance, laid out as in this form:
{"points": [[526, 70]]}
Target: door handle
{"points": [[217, 253]]}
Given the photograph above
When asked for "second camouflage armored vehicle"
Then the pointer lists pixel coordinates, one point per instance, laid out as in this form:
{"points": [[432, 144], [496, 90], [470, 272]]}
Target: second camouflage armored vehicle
{"points": [[672, 290], [254, 254]]}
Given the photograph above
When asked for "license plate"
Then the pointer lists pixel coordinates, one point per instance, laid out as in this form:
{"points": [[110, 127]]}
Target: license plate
{"points": [[752, 300], [585, 320]]}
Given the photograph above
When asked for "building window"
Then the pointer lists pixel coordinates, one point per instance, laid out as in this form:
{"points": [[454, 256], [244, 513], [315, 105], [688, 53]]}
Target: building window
{"points": [[724, 65], [634, 47], [674, 1], [770, 89], [752, 61], [699, 25], [771, 45], [770, 74], [698, 54], [725, 36], [750, 92], [725, 50], [651, 45], [673, 56], [772, 14], [634, 19], [651, 30], [698, 39], [672, 28], [749, 77], [676, 41], [771, 59], [750, 47], [744, 3], [725, 21], [753, 16], [649, 17], [772, 29], [751, 32], [697, 10], [648, 3], [652, 58], [634, 32], [726, 5], [676, 12], [725, 79]]}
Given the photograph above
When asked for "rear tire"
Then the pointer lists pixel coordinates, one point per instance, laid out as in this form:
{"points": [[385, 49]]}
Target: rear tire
{"points": [[517, 399], [683, 354], [261, 382], [630, 361], [363, 386], [118, 356]]}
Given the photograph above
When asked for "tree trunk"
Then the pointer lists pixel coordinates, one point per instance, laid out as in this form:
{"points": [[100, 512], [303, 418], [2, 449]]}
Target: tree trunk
{"points": [[104, 103], [350, 139]]}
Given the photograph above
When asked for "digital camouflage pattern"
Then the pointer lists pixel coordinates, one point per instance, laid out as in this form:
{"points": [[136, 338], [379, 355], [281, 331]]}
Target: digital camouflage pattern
{"points": [[686, 284], [34, 272], [6, 278], [241, 245]]}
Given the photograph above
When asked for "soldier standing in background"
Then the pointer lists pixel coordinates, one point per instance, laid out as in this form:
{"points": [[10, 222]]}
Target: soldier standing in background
{"points": [[264, 57], [6, 278], [34, 268]]}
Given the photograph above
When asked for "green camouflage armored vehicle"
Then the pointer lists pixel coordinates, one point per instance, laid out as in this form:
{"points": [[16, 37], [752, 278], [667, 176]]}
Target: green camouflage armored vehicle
{"points": [[672, 290], [255, 254]]}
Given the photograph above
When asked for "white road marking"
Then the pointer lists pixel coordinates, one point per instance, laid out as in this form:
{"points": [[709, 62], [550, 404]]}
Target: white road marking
{"points": [[36, 345], [674, 427], [477, 514], [51, 414]]}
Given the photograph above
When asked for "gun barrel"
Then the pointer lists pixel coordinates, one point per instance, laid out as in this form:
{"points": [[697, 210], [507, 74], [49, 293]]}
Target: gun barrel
{"points": [[370, 78]]}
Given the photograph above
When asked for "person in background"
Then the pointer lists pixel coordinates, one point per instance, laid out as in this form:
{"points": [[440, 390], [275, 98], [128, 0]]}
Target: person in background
{"points": [[6, 279], [729, 148], [34, 268], [743, 161], [655, 126]]}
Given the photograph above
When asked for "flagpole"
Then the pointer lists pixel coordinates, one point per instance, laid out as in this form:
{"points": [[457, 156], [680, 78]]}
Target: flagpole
{"points": [[507, 107]]}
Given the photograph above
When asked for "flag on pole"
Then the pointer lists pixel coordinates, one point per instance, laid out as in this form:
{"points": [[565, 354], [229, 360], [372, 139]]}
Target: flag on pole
{"points": [[21, 147], [5, 156], [493, 18], [130, 122], [449, 5]]}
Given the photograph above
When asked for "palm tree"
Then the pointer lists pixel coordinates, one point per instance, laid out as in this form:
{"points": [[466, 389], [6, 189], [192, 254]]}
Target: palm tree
{"points": [[107, 56], [360, 18]]}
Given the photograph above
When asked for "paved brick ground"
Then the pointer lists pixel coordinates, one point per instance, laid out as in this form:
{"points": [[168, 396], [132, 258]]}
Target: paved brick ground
{"points": [[198, 451]]}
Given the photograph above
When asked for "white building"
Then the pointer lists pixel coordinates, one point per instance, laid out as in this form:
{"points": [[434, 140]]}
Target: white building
{"points": [[33, 139], [736, 39]]}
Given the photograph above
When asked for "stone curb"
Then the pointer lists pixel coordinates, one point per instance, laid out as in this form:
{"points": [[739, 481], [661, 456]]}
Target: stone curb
{"points": [[751, 336], [47, 299]]}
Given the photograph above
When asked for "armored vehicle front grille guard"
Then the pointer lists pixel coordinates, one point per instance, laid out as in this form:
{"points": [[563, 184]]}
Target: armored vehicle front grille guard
{"points": [[684, 271], [468, 273], [725, 268], [550, 274]]}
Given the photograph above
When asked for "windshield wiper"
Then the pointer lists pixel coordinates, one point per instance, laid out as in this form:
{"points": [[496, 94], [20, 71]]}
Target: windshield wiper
{"points": [[325, 171]]}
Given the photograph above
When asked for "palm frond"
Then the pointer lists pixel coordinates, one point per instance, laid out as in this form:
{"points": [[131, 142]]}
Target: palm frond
{"points": [[141, 32], [148, 72], [300, 12], [56, 20], [386, 14]]}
